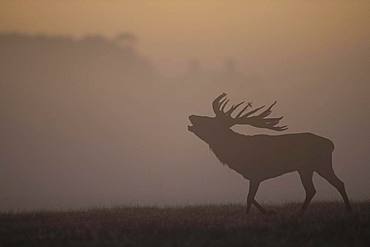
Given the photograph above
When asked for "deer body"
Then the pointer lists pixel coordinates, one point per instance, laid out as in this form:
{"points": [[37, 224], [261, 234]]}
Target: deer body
{"points": [[261, 157]]}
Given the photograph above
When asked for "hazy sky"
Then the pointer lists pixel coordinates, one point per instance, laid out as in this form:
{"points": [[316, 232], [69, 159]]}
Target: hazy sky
{"points": [[172, 31], [310, 56]]}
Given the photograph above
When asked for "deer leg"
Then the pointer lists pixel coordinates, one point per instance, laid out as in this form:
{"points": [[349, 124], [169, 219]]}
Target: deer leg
{"points": [[260, 208], [306, 178], [253, 187], [330, 176]]}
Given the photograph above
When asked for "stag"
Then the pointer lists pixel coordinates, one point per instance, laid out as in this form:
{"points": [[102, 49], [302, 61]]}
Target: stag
{"points": [[261, 157]]}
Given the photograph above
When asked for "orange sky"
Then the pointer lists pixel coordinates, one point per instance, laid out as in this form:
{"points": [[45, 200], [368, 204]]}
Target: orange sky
{"points": [[172, 32]]}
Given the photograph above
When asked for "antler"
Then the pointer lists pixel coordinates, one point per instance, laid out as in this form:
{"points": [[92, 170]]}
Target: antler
{"points": [[259, 121]]}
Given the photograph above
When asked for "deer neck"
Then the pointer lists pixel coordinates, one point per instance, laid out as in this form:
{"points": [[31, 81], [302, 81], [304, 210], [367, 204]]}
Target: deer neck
{"points": [[225, 144]]}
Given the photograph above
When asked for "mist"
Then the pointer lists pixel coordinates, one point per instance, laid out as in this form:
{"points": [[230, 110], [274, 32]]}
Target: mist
{"points": [[101, 119]]}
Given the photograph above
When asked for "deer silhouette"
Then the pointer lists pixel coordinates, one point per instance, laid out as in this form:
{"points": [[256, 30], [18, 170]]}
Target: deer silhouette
{"points": [[261, 157]]}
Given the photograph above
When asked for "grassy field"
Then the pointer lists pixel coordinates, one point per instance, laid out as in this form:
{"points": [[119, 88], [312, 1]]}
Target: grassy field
{"points": [[325, 224]]}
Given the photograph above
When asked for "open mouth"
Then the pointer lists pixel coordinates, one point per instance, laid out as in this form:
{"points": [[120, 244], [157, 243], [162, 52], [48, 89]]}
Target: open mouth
{"points": [[190, 126]]}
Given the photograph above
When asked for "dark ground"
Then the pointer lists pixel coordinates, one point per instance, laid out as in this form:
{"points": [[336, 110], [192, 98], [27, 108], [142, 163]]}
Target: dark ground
{"points": [[324, 224]]}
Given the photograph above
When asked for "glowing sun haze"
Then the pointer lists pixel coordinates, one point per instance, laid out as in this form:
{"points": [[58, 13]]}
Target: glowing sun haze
{"points": [[89, 120], [173, 31]]}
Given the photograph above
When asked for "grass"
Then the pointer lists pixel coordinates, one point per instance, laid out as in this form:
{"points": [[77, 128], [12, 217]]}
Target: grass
{"points": [[324, 224]]}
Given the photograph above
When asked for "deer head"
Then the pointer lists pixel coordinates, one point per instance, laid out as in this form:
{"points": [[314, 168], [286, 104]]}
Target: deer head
{"points": [[205, 126]]}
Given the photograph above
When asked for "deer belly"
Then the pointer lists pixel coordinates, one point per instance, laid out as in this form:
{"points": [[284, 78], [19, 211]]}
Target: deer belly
{"points": [[265, 167]]}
